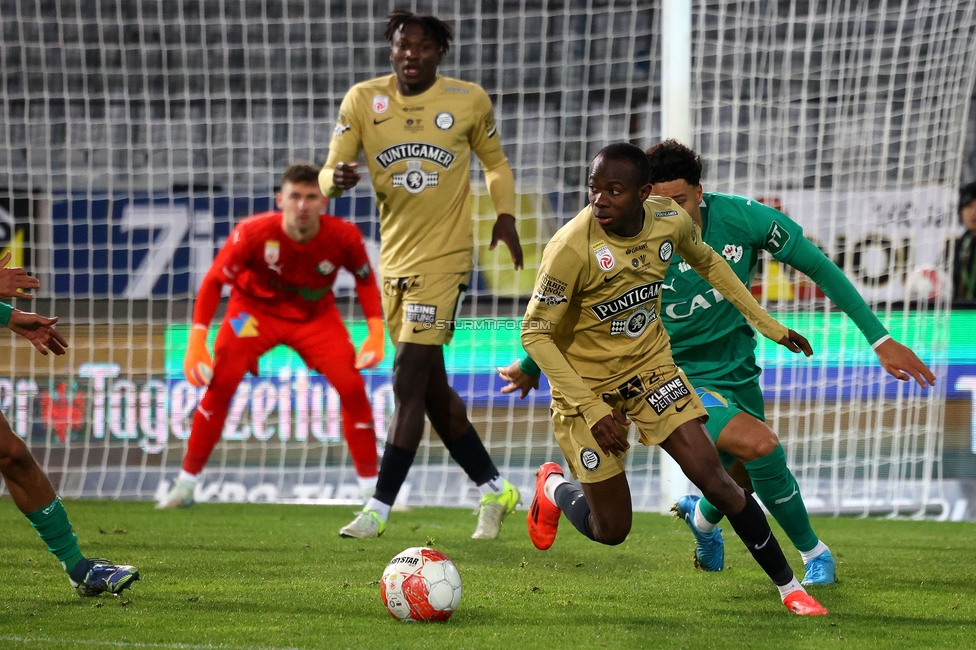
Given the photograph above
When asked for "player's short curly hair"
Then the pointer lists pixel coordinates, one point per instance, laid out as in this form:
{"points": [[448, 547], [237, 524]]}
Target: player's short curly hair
{"points": [[670, 160], [300, 172], [630, 153], [435, 28]]}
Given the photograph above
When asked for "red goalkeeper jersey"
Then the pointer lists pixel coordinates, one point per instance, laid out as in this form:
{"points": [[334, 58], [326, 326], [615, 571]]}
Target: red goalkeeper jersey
{"points": [[285, 278]]}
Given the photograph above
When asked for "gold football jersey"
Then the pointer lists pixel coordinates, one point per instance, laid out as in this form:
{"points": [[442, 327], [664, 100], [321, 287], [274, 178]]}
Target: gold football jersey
{"points": [[592, 322], [418, 151]]}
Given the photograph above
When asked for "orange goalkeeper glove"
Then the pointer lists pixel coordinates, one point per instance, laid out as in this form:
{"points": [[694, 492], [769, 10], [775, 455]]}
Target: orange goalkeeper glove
{"points": [[371, 353], [198, 364]]}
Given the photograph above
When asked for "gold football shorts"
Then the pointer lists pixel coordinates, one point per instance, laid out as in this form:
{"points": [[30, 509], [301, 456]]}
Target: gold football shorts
{"points": [[657, 401], [422, 308]]}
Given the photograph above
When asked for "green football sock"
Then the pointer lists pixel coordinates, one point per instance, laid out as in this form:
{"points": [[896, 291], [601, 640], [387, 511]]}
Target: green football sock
{"points": [[51, 523], [711, 514], [779, 492]]}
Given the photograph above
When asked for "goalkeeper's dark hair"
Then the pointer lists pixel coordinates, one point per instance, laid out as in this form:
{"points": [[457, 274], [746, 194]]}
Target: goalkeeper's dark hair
{"points": [[632, 154], [670, 160], [435, 28], [300, 172]]}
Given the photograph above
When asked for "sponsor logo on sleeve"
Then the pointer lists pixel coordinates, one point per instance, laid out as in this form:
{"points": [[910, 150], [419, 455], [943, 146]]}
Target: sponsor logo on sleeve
{"points": [[420, 313], [589, 459], [444, 121], [380, 103], [362, 272], [551, 291], [776, 238], [666, 250], [603, 255], [664, 214], [635, 297], [732, 253], [340, 129], [667, 394], [490, 127], [454, 89]]}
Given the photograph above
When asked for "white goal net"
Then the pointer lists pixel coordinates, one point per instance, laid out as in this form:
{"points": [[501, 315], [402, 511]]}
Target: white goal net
{"points": [[136, 133]]}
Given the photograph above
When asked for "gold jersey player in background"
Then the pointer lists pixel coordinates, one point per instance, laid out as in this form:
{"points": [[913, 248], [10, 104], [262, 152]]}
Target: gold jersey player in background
{"points": [[417, 130]]}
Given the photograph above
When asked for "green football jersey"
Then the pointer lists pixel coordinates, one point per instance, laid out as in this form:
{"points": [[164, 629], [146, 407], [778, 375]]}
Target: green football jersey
{"points": [[710, 339]]}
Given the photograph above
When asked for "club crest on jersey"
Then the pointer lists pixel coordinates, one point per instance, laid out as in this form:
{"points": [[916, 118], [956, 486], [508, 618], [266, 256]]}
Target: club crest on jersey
{"points": [[326, 267], [635, 297], [635, 324], [732, 253], [415, 180], [666, 250], [603, 255], [272, 252], [444, 121], [380, 103]]}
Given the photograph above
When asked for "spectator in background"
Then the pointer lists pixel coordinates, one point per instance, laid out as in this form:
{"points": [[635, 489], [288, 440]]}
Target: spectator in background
{"points": [[964, 265]]}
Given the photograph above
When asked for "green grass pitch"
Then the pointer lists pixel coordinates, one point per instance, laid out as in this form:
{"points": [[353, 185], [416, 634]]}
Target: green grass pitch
{"points": [[267, 576]]}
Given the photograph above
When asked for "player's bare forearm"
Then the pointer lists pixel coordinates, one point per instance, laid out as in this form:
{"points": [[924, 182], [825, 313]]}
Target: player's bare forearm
{"points": [[900, 362], [505, 230]]}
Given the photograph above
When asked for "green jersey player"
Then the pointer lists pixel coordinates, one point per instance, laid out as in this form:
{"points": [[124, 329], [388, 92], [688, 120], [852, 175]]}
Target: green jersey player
{"points": [[715, 346]]}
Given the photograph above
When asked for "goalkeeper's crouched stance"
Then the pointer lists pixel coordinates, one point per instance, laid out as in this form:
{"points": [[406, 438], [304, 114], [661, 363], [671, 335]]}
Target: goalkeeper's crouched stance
{"points": [[26, 482], [281, 267]]}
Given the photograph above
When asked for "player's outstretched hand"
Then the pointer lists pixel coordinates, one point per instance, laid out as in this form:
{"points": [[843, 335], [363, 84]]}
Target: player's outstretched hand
{"points": [[197, 363], [900, 362], [795, 342], [505, 230], [517, 379], [13, 280], [346, 176], [611, 433], [39, 330], [371, 353]]}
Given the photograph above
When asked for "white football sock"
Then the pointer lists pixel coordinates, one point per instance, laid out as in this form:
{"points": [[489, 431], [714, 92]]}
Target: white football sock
{"points": [[552, 482], [701, 523], [789, 588], [186, 476], [379, 508], [813, 552], [494, 486]]}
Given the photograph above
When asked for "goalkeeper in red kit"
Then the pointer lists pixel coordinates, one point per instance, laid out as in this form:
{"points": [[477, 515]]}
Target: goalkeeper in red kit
{"points": [[281, 267]]}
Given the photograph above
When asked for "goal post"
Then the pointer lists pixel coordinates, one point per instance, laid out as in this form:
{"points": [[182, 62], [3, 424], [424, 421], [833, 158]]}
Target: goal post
{"points": [[136, 134]]}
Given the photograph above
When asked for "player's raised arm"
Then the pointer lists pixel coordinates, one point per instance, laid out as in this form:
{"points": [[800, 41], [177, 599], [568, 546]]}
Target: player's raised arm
{"points": [[717, 272], [898, 360]]}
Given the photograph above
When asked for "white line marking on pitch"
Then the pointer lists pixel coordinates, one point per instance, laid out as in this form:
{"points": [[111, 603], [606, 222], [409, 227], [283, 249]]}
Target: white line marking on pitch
{"points": [[123, 644]]}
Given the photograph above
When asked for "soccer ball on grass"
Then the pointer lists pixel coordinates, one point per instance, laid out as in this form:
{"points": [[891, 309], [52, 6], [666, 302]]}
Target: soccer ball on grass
{"points": [[421, 584]]}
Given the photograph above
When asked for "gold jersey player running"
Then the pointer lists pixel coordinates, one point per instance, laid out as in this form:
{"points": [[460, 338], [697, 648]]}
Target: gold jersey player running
{"points": [[593, 328], [418, 130]]}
